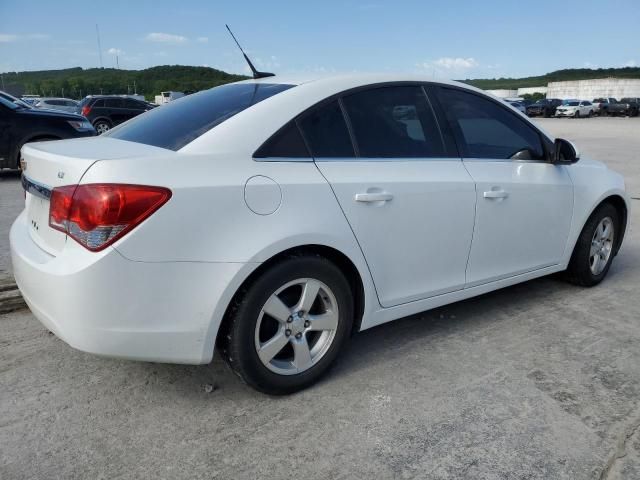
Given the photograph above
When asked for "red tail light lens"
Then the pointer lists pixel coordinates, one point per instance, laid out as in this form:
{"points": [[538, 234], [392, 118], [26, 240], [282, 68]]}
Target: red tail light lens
{"points": [[98, 214], [86, 110]]}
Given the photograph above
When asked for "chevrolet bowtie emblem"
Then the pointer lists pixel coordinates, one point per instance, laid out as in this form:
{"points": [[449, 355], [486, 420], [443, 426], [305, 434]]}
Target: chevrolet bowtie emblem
{"points": [[60, 174]]}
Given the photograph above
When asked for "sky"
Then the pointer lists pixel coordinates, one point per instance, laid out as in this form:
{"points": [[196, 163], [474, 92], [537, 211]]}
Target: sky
{"points": [[446, 39]]}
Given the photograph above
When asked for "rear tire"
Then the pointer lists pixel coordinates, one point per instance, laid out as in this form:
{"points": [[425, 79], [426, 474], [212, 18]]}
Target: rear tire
{"points": [[595, 248], [277, 341], [102, 126]]}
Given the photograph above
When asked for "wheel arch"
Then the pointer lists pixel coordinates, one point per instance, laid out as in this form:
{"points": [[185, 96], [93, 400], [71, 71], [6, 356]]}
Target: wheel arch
{"points": [[620, 204], [341, 260]]}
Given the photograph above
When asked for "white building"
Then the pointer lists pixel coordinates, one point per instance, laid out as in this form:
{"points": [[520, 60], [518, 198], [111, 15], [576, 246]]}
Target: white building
{"points": [[531, 91], [503, 93], [599, 87]]}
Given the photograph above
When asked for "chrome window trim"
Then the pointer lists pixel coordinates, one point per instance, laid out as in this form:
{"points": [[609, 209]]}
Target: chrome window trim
{"points": [[35, 188]]}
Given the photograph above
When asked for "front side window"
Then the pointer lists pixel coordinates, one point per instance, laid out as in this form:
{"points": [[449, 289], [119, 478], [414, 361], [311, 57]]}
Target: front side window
{"points": [[326, 133], [177, 123], [488, 130], [393, 122]]}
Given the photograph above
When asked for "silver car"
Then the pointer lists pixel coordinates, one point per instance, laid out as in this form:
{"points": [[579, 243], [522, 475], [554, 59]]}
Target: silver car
{"points": [[64, 104]]}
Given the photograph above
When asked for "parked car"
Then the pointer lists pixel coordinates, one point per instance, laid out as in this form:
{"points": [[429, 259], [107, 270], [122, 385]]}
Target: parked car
{"points": [[517, 105], [107, 111], [627, 107], [20, 124], [545, 107], [575, 109], [17, 101], [64, 104], [274, 218], [601, 105]]}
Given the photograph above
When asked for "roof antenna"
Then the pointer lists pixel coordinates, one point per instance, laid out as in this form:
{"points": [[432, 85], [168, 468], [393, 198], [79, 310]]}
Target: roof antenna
{"points": [[256, 73]]}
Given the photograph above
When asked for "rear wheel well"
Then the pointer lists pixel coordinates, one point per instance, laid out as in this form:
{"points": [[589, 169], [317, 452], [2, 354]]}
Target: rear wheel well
{"points": [[37, 138], [335, 256]]}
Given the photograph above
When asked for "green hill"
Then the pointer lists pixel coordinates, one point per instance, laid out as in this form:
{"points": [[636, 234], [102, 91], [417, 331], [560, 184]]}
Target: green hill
{"points": [[78, 82], [557, 76]]}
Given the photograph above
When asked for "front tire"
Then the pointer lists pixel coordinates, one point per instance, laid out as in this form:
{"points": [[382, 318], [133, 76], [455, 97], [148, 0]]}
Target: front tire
{"points": [[287, 327], [595, 248]]}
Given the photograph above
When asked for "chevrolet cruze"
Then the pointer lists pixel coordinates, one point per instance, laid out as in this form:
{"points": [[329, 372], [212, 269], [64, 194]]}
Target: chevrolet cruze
{"points": [[271, 219]]}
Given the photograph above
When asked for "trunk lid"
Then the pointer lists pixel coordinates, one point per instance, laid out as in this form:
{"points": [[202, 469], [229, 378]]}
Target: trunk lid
{"points": [[63, 162]]}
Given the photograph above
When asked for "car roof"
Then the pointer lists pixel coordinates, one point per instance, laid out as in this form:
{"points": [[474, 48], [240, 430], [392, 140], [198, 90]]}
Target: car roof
{"points": [[266, 117]]}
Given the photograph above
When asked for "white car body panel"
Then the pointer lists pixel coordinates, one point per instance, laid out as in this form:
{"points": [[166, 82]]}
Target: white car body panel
{"points": [[160, 292], [402, 238], [525, 230]]}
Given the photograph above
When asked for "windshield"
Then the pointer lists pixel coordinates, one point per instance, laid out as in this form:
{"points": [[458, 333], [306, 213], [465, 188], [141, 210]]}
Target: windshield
{"points": [[599, 100], [8, 103], [571, 103], [15, 101], [181, 121]]}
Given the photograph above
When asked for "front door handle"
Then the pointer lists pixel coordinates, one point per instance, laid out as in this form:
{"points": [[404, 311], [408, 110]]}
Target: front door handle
{"points": [[373, 197], [496, 194]]}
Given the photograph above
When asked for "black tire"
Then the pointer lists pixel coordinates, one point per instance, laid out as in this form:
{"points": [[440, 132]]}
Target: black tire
{"points": [[603, 112], [547, 113], [102, 126], [579, 271], [577, 115], [237, 344], [590, 113]]}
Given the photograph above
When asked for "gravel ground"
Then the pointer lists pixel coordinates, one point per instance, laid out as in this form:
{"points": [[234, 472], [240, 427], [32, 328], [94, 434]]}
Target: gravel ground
{"points": [[540, 380]]}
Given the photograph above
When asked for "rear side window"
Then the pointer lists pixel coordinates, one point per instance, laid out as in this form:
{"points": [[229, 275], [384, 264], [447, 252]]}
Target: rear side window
{"points": [[178, 123], [326, 133], [113, 102], [287, 143], [488, 130], [129, 103], [394, 122], [98, 104]]}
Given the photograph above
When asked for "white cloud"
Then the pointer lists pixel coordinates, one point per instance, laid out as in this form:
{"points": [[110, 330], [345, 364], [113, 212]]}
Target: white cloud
{"points": [[631, 63], [9, 37], [457, 63], [202, 39], [169, 38], [115, 51]]}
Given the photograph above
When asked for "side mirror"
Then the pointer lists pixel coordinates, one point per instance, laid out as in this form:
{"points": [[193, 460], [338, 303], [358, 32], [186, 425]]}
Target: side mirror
{"points": [[565, 152]]}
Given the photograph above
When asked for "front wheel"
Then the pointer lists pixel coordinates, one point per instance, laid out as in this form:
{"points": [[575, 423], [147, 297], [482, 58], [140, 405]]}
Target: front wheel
{"points": [[594, 250], [286, 329]]}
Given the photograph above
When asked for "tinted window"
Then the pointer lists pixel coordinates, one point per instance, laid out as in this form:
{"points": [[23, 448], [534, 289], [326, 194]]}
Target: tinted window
{"points": [[488, 130], [179, 122], [325, 131], [287, 142], [98, 104], [129, 103], [113, 102], [393, 122]]}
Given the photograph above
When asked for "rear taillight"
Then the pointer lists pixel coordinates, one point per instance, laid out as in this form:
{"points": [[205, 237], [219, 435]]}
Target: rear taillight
{"points": [[86, 110], [98, 214]]}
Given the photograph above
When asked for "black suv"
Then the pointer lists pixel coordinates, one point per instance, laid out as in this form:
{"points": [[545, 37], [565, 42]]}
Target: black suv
{"points": [[20, 123], [106, 111], [545, 107]]}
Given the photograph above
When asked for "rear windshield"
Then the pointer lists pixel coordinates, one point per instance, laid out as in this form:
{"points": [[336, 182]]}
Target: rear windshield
{"points": [[178, 123]]}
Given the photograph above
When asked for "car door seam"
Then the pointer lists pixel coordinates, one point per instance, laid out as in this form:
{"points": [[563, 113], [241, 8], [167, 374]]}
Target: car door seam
{"points": [[355, 237], [475, 219]]}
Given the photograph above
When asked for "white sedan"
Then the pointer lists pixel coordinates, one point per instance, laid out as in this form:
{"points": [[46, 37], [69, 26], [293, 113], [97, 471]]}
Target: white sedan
{"points": [[575, 109], [273, 218]]}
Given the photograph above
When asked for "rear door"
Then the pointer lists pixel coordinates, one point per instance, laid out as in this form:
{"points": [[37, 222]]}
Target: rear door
{"points": [[524, 203], [115, 110], [408, 199]]}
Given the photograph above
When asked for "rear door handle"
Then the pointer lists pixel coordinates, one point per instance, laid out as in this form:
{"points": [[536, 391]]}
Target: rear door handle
{"points": [[373, 197], [496, 194]]}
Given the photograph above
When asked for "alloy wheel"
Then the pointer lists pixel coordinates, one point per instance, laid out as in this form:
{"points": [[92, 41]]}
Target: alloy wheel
{"points": [[296, 326], [601, 246]]}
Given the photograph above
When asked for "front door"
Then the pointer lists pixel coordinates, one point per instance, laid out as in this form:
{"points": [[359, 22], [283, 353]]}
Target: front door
{"points": [[524, 203]]}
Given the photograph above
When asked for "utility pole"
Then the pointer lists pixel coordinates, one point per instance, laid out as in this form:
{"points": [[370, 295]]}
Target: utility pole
{"points": [[99, 47]]}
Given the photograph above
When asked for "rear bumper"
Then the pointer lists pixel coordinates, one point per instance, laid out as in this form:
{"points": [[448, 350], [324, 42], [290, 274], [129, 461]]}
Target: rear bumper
{"points": [[105, 304]]}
